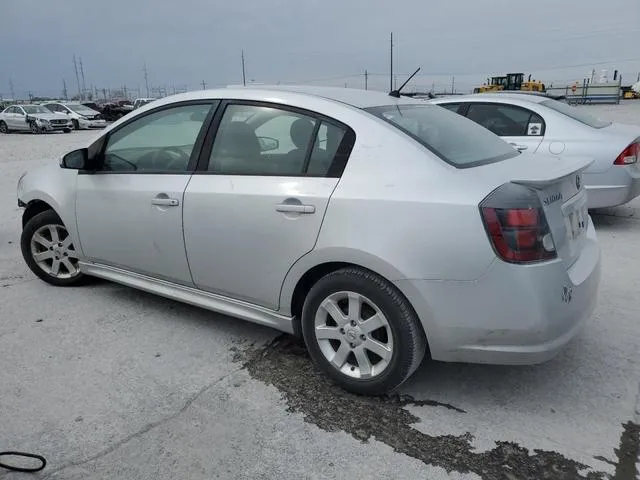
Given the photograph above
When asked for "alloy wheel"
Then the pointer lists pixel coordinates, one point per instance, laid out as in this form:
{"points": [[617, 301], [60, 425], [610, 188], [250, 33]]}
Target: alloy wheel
{"points": [[354, 335], [53, 251]]}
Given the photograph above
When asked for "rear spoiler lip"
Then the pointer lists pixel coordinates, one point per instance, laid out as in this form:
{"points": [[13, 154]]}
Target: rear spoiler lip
{"points": [[571, 167]]}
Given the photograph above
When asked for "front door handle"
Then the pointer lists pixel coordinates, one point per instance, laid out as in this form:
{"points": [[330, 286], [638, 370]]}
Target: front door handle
{"points": [[165, 202], [518, 147], [295, 207]]}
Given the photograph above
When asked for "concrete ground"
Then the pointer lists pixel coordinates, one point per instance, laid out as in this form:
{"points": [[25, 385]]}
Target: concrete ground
{"points": [[111, 383]]}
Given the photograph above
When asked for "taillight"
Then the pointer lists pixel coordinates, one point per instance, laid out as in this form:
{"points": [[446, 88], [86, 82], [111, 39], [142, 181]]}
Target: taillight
{"points": [[629, 155], [516, 225]]}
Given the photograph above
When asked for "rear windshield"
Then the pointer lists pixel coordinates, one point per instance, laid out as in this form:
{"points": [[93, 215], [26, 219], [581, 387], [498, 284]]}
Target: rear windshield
{"points": [[576, 113], [455, 139]]}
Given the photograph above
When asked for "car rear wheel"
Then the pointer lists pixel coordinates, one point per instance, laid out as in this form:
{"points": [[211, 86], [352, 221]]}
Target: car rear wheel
{"points": [[3, 127], [49, 252], [362, 332]]}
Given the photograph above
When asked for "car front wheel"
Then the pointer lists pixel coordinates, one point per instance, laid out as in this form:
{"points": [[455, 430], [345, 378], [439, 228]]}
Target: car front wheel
{"points": [[362, 332], [49, 252]]}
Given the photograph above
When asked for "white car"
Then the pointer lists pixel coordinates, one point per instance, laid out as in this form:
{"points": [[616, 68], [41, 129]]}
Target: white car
{"points": [[542, 125], [81, 116], [139, 102], [378, 228], [34, 118]]}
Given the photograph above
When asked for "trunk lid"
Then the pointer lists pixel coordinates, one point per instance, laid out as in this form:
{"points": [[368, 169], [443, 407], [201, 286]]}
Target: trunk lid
{"points": [[558, 183]]}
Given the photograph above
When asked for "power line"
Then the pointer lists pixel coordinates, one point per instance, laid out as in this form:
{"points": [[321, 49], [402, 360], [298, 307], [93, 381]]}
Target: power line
{"points": [[75, 67]]}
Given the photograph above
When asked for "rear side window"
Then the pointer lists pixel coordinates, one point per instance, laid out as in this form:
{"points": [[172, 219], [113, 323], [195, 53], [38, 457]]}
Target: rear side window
{"points": [[506, 120], [575, 113], [269, 141], [452, 107], [450, 136]]}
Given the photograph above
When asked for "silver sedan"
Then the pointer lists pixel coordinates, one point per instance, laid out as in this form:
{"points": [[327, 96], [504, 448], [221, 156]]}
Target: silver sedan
{"points": [[540, 124], [378, 228]]}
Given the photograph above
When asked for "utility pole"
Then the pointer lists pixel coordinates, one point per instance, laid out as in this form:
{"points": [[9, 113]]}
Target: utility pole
{"points": [[84, 86], [204, 85], [65, 93], [244, 78], [391, 72], [366, 80], [13, 93], [453, 85], [75, 67], [433, 86], [146, 78]]}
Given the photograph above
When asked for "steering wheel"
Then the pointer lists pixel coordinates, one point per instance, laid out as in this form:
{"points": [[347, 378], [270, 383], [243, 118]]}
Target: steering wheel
{"points": [[157, 160]]}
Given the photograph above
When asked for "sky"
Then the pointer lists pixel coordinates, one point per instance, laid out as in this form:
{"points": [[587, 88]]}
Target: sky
{"points": [[325, 42]]}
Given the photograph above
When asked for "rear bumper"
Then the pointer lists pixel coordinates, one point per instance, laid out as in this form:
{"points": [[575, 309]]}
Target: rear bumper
{"points": [[617, 186], [512, 314]]}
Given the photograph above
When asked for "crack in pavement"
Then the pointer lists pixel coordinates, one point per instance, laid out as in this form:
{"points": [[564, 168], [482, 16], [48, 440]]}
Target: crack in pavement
{"points": [[286, 365], [147, 428]]}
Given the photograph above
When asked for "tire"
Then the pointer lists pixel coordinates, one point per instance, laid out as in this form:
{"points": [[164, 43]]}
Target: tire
{"points": [[4, 128], [38, 238], [401, 335], [67, 130], [76, 124], [33, 127]]}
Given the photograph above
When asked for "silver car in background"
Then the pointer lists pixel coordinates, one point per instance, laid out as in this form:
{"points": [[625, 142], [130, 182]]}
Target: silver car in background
{"points": [[81, 116], [378, 228], [539, 124], [33, 118]]}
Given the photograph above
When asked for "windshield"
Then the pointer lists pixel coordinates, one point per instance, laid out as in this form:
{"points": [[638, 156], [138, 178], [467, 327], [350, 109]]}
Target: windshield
{"points": [[79, 108], [32, 109], [455, 139], [575, 113]]}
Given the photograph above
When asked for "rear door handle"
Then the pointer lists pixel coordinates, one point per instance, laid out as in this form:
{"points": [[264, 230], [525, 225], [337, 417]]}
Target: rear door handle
{"points": [[518, 147], [295, 207], [165, 202]]}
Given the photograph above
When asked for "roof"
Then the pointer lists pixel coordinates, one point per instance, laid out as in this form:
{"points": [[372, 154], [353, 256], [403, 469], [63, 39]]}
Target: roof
{"points": [[350, 96], [525, 97]]}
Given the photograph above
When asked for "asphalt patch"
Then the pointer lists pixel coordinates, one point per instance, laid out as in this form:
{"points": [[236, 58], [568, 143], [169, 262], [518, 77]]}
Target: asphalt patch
{"points": [[286, 365]]}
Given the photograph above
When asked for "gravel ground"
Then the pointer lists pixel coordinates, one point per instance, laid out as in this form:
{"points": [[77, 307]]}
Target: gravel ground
{"points": [[109, 382]]}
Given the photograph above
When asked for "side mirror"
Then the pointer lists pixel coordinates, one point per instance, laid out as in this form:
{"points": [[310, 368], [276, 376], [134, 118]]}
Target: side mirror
{"points": [[268, 144], [76, 160]]}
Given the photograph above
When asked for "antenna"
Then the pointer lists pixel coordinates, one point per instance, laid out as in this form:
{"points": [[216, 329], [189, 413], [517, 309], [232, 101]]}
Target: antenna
{"points": [[396, 93], [244, 79]]}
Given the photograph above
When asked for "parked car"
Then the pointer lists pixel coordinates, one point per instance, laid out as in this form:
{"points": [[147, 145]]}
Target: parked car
{"points": [[378, 228], [113, 111], [139, 102], [34, 118], [542, 125], [81, 116]]}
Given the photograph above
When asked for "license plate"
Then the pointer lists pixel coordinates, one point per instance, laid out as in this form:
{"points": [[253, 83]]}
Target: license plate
{"points": [[577, 223]]}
